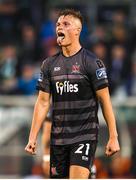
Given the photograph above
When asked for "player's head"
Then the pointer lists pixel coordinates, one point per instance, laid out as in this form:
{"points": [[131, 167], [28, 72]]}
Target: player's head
{"points": [[68, 27]]}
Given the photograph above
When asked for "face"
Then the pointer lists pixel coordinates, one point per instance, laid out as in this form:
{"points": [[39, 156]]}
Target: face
{"points": [[67, 29]]}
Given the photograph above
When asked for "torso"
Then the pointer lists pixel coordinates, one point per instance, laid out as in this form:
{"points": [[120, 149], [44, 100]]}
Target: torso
{"points": [[74, 116]]}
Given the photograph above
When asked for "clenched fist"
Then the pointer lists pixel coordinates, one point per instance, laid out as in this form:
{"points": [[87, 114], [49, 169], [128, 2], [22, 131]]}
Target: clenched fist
{"points": [[112, 146], [31, 147]]}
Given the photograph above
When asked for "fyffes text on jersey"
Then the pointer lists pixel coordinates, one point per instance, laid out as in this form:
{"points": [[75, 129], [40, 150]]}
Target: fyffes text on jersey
{"points": [[65, 87]]}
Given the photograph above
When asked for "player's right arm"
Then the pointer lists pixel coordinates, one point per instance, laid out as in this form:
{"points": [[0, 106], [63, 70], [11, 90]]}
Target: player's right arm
{"points": [[41, 109]]}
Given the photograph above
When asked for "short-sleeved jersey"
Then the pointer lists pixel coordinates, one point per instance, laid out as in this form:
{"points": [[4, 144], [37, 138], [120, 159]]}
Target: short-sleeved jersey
{"points": [[73, 82]]}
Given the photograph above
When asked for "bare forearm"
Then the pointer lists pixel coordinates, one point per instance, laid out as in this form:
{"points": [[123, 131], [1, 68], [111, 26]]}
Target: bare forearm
{"points": [[113, 145], [40, 112], [104, 99], [109, 117]]}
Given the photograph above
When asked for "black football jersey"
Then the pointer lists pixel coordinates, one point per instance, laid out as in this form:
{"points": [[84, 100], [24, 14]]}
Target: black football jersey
{"points": [[72, 82]]}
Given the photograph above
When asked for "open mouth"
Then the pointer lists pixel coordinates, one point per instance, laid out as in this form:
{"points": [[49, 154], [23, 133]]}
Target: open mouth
{"points": [[61, 35]]}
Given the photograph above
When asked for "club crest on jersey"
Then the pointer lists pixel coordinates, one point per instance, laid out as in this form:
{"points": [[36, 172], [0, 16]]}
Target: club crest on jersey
{"points": [[101, 73], [75, 68]]}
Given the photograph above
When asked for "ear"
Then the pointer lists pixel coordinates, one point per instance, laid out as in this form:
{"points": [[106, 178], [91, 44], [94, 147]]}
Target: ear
{"points": [[78, 31]]}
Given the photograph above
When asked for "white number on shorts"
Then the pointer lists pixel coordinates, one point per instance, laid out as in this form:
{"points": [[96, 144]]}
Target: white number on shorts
{"points": [[87, 148], [81, 146], [79, 149]]}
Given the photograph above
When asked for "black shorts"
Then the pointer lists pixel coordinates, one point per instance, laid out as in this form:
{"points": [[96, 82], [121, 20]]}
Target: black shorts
{"points": [[62, 156]]}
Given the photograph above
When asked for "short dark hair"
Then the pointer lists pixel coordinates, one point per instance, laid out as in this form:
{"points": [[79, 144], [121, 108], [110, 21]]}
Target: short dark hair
{"points": [[72, 12]]}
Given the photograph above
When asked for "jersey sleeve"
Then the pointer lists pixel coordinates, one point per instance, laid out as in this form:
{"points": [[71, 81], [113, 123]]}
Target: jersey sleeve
{"points": [[43, 82], [97, 73]]}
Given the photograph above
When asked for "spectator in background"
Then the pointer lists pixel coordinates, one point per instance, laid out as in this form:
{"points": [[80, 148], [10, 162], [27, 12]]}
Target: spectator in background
{"points": [[119, 30], [131, 80], [119, 17], [27, 82], [36, 10], [99, 42], [85, 33], [100, 49], [119, 35], [118, 59], [98, 34], [30, 49], [8, 71], [8, 11], [47, 33]]}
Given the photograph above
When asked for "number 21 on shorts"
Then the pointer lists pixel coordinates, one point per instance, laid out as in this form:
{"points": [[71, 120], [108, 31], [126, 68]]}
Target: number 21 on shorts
{"points": [[80, 149]]}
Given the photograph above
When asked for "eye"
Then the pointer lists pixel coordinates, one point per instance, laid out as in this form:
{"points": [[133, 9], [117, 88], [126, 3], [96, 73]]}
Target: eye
{"points": [[66, 23]]}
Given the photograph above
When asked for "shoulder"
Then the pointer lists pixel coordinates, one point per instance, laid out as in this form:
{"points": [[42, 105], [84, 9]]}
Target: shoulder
{"points": [[89, 55], [91, 61], [49, 60], [55, 56]]}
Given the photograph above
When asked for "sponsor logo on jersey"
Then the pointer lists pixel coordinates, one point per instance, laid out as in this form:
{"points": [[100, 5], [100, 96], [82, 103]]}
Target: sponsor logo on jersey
{"points": [[101, 73], [65, 87], [56, 68]]}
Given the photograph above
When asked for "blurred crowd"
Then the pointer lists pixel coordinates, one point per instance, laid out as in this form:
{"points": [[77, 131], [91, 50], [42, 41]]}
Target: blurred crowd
{"points": [[27, 36]]}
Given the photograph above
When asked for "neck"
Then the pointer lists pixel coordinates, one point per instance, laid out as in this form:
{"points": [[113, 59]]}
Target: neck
{"points": [[71, 49]]}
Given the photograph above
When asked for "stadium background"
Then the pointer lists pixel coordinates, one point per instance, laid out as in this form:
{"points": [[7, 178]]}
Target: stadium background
{"points": [[27, 36]]}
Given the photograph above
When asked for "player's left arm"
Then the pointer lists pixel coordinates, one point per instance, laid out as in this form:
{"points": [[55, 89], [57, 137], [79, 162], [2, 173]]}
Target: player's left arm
{"points": [[104, 99]]}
